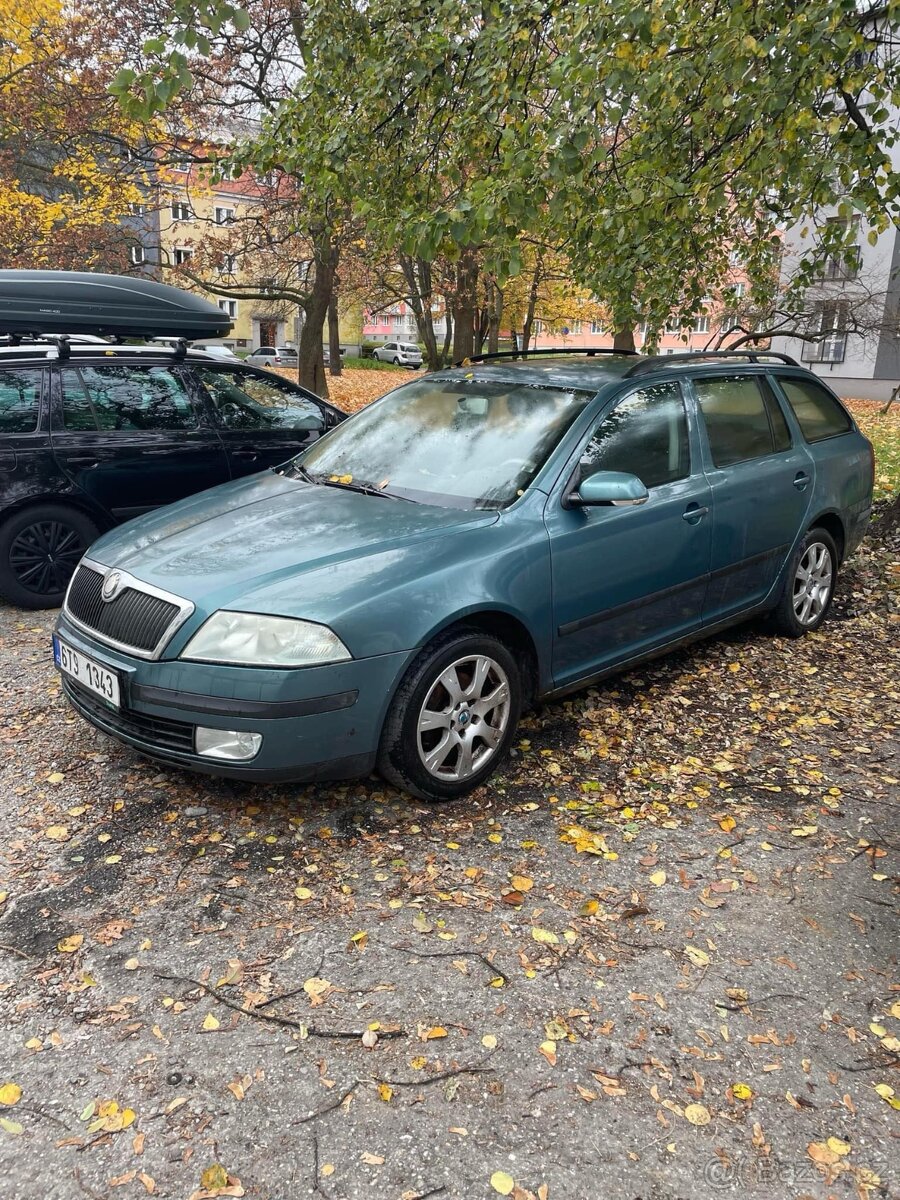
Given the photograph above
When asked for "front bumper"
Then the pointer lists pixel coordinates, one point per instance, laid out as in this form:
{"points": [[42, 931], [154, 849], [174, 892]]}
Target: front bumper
{"points": [[316, 722]]}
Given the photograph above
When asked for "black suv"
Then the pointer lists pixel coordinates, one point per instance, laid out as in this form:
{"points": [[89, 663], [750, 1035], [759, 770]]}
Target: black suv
{"points": [[91, 435]]}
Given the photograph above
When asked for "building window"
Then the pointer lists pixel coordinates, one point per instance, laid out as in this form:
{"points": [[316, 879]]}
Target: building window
{"points": [[701, 325], [845, 262], [182, 255], [738, 290], [228, 265], [181, 211], [538, 327], [596, 327], [137, 210], [229, 306], [830, 320], [224, 216], [183, 165], [137, 254], [397, 321], [574, 327]]}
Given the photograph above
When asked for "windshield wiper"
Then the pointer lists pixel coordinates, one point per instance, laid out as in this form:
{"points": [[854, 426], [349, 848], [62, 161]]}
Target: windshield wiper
{"points": [[294, 468], [365, 488]]}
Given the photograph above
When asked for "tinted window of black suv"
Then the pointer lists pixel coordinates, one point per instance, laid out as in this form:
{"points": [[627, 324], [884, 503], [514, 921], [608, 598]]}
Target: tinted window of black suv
{"points": [[104, 436]]}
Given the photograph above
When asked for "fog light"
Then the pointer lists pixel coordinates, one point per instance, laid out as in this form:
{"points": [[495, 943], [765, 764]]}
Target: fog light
{"points": [[232, 744]]}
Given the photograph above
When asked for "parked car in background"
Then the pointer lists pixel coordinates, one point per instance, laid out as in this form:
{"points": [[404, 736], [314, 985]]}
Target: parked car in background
{"points": [[106, 434], [401, 354], [273, 356], [216, 350], [474, 540]]}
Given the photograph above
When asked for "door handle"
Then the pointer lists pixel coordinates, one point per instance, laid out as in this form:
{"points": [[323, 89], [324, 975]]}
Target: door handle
{"points": [[85, 460], [801, 480], [694, 513], [245, 455]]}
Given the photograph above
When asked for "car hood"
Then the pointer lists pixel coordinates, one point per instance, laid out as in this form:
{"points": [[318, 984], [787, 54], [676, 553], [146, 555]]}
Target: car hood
{"points": [[247, 543]]}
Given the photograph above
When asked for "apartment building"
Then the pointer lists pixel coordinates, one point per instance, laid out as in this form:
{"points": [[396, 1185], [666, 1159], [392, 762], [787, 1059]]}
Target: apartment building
{"points": [[854, 307], [198, 233]]}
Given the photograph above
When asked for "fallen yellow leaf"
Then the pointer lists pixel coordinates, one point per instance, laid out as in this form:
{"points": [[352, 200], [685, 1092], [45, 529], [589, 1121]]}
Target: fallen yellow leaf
{"points": [[210, 1023], [70, 944], [502, 1183], [545, 936], [10, 1094], [697, 1114], [214, 1177]]}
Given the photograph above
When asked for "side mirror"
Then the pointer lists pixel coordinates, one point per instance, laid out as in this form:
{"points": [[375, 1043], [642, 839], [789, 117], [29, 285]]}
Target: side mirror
{"points": [[617, 488]]}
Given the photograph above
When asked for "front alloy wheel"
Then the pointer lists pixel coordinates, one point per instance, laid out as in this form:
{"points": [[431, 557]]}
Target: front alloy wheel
{"points": [[464, 718], [453, 717]]}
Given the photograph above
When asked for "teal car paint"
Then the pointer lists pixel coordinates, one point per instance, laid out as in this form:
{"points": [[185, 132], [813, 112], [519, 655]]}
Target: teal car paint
{"points": [[722, 490]]}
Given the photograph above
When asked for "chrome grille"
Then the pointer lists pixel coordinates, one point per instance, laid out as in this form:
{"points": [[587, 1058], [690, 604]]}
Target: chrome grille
{"points": [[140, 619]]}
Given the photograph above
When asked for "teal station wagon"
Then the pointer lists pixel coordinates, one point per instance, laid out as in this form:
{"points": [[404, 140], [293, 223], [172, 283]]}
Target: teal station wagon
{"points": [[477, 539]]}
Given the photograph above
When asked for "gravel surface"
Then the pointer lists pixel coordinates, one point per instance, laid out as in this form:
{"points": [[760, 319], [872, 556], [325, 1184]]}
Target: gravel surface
{"points": [[656, 959]]}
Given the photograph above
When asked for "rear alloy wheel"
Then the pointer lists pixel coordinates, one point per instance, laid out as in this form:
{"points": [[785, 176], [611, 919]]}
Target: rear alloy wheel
{"points": [[40, 548], [809, 587], [396, 361], [453, 718]]}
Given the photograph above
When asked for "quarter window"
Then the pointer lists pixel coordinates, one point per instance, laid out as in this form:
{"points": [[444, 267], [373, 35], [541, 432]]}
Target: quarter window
{"points": [[645, 435], [818, 414], [20, 394], [128, 398], [742, 418]]}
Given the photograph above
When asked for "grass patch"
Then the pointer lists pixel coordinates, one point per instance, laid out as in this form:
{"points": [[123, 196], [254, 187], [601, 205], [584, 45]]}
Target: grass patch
{"points": [[883, 431]]}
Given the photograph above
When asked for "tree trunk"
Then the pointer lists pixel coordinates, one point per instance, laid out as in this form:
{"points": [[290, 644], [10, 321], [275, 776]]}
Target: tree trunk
{"points": [[623, 338], [464, 306], [311, 371], [448, 336], [532, 301], [334, 335], [417, 274], [495, 319]]}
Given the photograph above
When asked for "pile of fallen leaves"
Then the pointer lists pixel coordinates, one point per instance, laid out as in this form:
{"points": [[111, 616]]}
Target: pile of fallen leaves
{"points": [[353, 389]]}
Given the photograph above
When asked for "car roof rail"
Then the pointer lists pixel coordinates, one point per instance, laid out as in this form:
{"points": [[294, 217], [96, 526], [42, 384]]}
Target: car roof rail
{"points": [[656, 361], [588, 351]]}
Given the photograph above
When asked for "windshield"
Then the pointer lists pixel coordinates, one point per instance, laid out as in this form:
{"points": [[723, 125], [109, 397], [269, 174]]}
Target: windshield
{"points": [[460, 443]]}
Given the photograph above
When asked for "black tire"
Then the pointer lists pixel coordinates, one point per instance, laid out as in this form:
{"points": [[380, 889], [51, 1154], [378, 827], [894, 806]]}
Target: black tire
{"points": [[39, 550], [396, 361], [399, 759], [788, 618]]}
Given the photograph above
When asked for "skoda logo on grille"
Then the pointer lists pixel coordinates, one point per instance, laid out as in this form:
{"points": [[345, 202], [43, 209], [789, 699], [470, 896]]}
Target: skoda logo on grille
{"points": [[112, 585]]}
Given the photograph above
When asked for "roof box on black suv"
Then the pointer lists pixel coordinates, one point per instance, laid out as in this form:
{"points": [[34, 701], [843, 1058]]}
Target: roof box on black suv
{"points": [[64, 302]]}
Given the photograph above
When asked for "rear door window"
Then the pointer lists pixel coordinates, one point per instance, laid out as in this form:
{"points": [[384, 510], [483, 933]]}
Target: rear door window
{"points": [[818, 413], [20, 399], [645, 435], [742, 418], [128, 398]]}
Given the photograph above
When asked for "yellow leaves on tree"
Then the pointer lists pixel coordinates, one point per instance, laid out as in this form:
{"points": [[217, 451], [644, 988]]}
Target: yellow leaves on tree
{"points": [[60, 201]]}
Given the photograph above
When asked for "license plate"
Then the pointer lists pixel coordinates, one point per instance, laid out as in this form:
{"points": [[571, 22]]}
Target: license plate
{"points": [[90, 674]]}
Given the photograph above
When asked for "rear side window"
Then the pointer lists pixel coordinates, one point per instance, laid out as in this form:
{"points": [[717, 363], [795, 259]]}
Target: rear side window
{"points": [[818, 414], [645, 435], [125, 398], [743, 420], [20, 398]]}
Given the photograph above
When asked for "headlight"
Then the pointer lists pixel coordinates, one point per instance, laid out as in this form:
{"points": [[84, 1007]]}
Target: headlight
{"points": [[253, 640]]}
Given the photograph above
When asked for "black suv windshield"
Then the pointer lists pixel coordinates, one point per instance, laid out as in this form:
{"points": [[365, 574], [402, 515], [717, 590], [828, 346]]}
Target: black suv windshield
{"points": [[459, 443]]}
